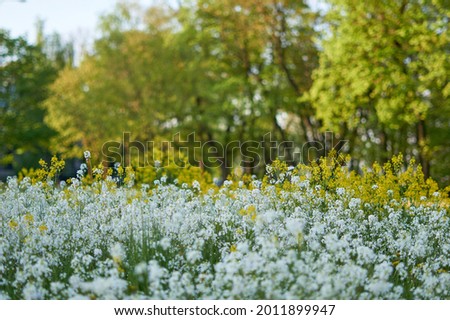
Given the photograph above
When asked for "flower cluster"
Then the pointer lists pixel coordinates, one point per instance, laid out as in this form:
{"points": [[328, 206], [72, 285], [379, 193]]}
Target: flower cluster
{"points": [[289, 236]]}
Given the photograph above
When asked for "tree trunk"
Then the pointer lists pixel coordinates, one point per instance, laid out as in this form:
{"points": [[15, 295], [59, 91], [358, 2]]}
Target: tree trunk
{"points": [[422, 144]]}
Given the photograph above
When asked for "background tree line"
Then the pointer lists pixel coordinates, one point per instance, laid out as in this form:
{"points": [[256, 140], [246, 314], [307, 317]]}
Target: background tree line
{"points": [[372, 72]]}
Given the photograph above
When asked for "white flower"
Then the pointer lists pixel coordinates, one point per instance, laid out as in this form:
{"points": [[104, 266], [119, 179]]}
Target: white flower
{"points": [[294, 226], [365, 254], [117, 252], [227, 183], [354, 202], [305, 184], [110, 288], [33, 292], [196, 185], [256, 192], [87, 155], [165, 243], [193, 256], [97, 252], [140, 268], [297, 244], [256, 184], [379, 287]]}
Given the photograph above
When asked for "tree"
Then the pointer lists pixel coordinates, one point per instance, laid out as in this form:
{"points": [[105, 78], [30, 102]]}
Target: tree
{"points": [[383, 76], [224, 70], [120, 87], [25, 73], [264, 56]]}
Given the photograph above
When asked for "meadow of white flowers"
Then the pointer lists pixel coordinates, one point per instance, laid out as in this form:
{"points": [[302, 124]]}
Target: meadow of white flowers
{"points": [[101, 241]]}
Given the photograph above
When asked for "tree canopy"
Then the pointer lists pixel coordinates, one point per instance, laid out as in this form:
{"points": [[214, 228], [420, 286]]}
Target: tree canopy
{"points": [[373, 73], [383, 77]]}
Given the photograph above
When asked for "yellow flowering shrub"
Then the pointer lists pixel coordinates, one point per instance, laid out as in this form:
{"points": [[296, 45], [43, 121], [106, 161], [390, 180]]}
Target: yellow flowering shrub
{"points": [[47, 172], [178, 173], [377, 185], [394, 183], [174, 173]]}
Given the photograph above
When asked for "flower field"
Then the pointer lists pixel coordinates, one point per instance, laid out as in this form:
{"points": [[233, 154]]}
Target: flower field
{"points": [[314, 232]]}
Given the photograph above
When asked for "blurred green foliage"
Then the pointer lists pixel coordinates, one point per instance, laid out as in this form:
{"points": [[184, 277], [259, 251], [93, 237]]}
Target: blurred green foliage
{"points": [[374, 73], [383, 80], [26, 72]]}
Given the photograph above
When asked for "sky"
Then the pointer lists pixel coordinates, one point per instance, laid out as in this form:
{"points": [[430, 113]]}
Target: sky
{"points": [[70, 18], [73, 19], [66, 17]]}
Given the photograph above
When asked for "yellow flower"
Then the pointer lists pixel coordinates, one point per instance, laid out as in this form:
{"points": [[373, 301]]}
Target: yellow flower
{"points": [[13, 224], [29, 218], [233, 248], [43, 228], [250, 211], [300, 239], [117, 260]]}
